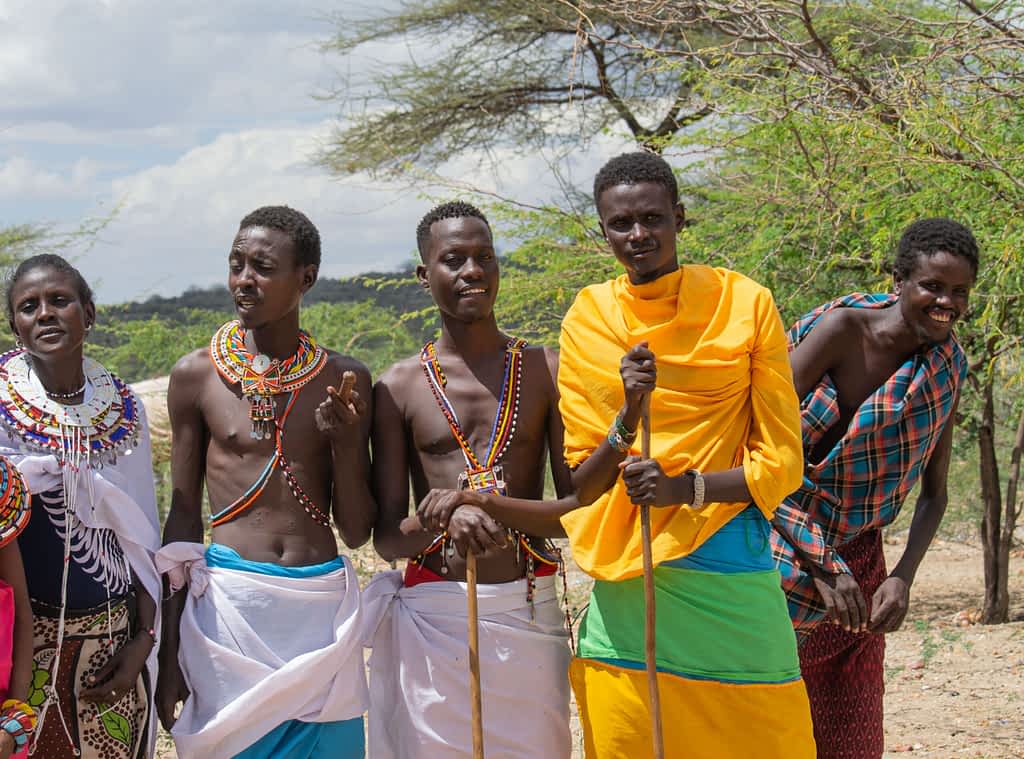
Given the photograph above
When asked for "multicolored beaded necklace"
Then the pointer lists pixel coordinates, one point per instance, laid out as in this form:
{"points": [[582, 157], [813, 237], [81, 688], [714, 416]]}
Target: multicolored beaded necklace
{"points": [[14, 502], [261, 377], [487, 476], [106, 422]]}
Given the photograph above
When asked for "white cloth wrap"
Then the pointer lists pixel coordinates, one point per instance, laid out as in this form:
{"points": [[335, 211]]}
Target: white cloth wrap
{"points": [[123, 500], [257, 651], [419, 671]]}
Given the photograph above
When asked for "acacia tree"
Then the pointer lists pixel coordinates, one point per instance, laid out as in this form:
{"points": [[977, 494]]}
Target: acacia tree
{"points": [[836, 124], [818, 131], [487, 73]]}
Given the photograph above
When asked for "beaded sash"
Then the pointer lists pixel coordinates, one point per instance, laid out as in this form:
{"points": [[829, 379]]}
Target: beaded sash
{"points": [[485, 476], [261, 377]]}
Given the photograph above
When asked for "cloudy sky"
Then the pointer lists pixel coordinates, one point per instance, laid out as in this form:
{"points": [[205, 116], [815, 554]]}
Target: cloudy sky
{"points": [[186, 115]]}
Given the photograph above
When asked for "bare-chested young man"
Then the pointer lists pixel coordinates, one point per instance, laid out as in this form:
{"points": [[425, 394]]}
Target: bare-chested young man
{"points": [[879, 377], [479, 406], [265, 631]]}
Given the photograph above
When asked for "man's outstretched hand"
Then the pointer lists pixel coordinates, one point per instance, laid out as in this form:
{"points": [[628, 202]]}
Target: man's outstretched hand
{"points": [[342, 410]]}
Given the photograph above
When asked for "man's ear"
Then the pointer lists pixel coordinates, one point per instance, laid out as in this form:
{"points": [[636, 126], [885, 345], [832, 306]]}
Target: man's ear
{"points": [[309, 275], [680, 217], [897, 283], [421, 275]]}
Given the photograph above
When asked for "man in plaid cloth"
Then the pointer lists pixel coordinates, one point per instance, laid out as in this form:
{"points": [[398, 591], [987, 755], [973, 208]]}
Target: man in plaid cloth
{"points": [[879, 378]]}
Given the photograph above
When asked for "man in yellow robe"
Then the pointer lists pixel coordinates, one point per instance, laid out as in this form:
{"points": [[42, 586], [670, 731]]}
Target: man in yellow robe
{"points": [[709, 348]]}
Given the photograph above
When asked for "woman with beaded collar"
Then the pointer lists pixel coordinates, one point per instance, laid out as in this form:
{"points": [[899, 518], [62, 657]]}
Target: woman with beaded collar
{"points": [[79, 437]]}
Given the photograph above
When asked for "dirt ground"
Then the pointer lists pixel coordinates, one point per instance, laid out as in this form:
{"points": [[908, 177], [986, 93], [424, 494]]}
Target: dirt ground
{"points": [[953, 688]]}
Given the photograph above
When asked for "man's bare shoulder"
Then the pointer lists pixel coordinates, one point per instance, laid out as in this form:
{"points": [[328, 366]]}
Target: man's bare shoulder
{"points": [[192, 367], [397, 377], [189, 376], [840, 322], [337, 363], [541, 363]]}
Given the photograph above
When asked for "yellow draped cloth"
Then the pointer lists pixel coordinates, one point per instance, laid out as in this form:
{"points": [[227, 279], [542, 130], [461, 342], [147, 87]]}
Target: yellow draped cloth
{"points": [[724, 398]]}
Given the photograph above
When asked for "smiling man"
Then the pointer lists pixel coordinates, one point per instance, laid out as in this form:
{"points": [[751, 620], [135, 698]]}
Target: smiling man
{"points": [[260, 638], [707, 345], [476, 412], [879, 377]]}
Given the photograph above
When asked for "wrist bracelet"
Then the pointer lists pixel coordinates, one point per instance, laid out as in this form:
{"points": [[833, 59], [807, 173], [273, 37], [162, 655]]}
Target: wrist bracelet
{"points": [[619, 436], [18, 720], [698, 489], [150, 632]]}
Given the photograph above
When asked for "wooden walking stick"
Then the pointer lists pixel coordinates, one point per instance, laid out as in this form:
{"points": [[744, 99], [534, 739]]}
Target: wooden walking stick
{"points": [[409, 526], [649, 628], [474, 657]]}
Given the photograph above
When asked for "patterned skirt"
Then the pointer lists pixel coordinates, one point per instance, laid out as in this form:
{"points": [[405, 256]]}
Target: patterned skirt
{"points": [[73, 728], [845, 671]]}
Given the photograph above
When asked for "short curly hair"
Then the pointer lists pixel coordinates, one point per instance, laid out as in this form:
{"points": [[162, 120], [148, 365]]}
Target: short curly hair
{"points": [[302, 232], [455, 209], [930, 236], [47, 261], [634, 168]]}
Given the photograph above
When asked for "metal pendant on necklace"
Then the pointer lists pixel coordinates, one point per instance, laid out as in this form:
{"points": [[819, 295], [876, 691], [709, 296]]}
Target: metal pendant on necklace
{"points": [[260, 363], [263, 415], [262, 411]]}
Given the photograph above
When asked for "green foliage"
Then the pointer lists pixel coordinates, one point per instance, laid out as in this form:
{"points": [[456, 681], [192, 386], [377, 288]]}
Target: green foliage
{"points": [[374, 335], [484, 74], [557, 255], [138, 349]]}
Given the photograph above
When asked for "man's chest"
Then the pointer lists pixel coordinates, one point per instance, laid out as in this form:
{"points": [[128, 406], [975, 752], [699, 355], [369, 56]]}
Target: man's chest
{"points": [[470, 420], [230, 421]]}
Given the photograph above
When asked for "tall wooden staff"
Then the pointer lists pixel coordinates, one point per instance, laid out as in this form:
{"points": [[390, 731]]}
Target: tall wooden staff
{"points": [[474, 657], [649, 628], [409, 526]]}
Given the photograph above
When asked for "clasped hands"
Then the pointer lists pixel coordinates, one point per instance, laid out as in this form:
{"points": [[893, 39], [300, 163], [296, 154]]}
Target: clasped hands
{"points": [[845, 604], [459, 512]]}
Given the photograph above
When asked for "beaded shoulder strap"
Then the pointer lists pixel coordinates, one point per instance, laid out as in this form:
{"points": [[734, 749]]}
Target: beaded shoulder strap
{"points": [[248, 498], [504, 426]]}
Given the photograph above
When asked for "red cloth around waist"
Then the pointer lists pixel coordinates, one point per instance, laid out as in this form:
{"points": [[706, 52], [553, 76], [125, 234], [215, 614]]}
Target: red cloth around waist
{"points": [[417, 574]]}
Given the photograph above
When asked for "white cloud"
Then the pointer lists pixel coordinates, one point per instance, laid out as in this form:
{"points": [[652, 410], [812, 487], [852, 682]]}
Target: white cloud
{"points": [[21, 179], [177, 220]]}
